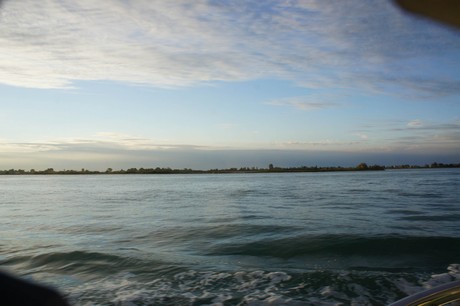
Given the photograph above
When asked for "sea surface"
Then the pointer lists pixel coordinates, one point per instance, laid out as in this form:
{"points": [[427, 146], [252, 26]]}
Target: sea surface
{"points": [[333, 238]]}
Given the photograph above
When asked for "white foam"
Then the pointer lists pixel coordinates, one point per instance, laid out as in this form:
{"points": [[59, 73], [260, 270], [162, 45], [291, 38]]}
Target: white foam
{"points": [[272, 301], [328, 291], [256, 288], [278, 277], [453, 273]]}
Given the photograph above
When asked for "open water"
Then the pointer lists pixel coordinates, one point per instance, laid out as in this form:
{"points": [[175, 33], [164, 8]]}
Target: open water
{"points": [[336, 238]]}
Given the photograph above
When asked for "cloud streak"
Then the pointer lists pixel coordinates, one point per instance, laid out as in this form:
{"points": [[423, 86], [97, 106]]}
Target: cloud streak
{"points": [[418, 124], [356, 44], [307, 103], [412, 136]]}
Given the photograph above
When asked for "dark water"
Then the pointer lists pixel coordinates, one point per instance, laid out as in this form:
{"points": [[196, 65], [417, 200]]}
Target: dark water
{"points": [[361, 238]]}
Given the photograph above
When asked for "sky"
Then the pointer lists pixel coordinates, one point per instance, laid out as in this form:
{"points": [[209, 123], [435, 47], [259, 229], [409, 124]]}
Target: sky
{"points": [[217, 84]]}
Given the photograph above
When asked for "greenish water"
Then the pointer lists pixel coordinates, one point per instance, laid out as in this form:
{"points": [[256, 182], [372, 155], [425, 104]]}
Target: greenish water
{"points": [[234, 239]]}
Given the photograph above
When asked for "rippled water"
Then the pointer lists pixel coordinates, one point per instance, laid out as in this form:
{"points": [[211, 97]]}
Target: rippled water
{"points": [[247, 239]]}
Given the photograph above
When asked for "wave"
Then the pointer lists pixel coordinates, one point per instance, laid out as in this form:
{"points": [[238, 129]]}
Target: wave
{"points": [[84, 263], [262, 288], [428, 251], [433, 218], [103, 278], [219, 232]]}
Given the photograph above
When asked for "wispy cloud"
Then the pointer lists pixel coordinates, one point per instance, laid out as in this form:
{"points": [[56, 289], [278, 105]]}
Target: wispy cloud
{"points": [[124, 151], [306, 103], [417, 123], [355, 44], [414, 136], [453, 126], [101, 142], [322, 144]]}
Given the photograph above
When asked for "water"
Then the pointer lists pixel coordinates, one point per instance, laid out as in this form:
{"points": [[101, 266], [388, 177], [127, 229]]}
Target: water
{"points": [[362, 238]]}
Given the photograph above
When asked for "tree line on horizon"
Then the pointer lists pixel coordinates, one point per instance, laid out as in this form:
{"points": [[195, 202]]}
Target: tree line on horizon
{"points": [[271, 168]]}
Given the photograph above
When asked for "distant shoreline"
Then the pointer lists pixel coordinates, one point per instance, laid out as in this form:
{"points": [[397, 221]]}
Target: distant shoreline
{"points": [[270, 169]]}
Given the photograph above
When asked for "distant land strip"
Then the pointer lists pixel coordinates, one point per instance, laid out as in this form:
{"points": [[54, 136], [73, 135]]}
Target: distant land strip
{"points": [[270, 169]]}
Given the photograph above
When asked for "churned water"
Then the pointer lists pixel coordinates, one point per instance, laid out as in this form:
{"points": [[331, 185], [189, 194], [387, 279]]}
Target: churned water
{"points": [[362, 238]]}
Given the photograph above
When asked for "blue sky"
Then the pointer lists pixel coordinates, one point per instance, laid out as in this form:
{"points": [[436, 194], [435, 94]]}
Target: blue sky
{"points": [[215, 84]]}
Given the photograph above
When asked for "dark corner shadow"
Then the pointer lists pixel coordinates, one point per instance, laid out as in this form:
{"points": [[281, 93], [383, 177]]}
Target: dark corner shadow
{"points": [[15, 291], [444, 11]]}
